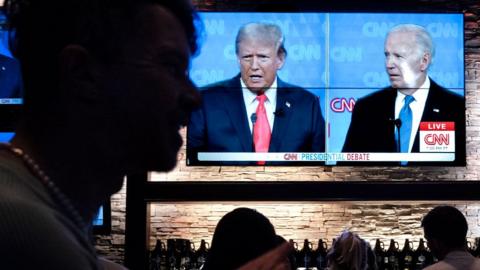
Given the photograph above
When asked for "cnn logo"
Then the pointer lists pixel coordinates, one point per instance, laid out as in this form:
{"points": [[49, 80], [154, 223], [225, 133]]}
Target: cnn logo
{"points": [[290, 156], [437, 139]]}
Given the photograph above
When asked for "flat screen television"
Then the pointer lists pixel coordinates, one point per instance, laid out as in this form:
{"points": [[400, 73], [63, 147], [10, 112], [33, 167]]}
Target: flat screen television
{"points": [[340, 58], [101, 224], [11, 86]]}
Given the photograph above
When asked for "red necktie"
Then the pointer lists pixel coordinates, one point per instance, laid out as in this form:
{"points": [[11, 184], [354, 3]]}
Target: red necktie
{"points": [[261, 128]]}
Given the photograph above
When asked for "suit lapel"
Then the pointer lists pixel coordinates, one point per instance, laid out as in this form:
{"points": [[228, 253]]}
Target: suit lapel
{"points": [[388, 120], [235, 107], [282, 117], [430, 112]]}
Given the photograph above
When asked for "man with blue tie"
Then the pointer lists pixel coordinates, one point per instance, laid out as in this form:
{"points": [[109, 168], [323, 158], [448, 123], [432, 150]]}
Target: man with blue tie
{"points": [[388, 120], [256, 111]]}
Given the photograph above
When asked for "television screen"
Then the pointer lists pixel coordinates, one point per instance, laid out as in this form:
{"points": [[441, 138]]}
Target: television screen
{"points": [[11, 86], [98, 220], [338, 89], [101, 222]]}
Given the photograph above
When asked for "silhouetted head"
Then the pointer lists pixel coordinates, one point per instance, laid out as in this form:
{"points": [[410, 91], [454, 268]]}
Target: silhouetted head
{"points": [[350, 252], [113, 73], [240, 236], [445, 229]]}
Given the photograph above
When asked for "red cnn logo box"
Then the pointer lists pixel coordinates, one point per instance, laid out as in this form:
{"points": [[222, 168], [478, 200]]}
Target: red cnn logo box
{"points": [[437, 137]]}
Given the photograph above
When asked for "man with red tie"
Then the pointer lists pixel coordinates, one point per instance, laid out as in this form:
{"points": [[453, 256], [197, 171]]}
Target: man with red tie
{"points": [[256, 111]]}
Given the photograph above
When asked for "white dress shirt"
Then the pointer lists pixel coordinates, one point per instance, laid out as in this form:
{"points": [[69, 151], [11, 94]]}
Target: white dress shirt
{"points": [[251, 103], [417, 106]]}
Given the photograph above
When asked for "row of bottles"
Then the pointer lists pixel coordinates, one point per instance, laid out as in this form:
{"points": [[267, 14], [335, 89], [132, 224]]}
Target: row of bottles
{"points": [[180, 254], [392, 258], [406, 258], [309, 258], [409, 258]]}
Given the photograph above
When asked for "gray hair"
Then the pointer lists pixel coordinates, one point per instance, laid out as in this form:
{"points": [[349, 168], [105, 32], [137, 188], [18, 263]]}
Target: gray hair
{"points": [[422, 37], [265, 31], [351, 252]]}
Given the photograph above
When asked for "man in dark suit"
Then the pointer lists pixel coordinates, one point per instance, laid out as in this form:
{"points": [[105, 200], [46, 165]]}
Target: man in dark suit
{"points": [[388, 120], [230, 118], [10, 78]]}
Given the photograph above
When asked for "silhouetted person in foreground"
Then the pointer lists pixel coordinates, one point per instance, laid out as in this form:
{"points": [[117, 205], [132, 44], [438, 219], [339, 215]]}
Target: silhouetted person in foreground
{"points": [[445, 229], [350, 252], [106, 90], [240, 236]]}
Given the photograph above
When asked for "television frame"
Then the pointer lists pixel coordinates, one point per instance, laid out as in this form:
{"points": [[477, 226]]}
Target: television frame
{"points": [[334, 9], [140, 191]]}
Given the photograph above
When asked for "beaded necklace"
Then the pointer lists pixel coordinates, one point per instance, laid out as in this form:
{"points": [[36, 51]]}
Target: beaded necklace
{"points": [[51, 187]]}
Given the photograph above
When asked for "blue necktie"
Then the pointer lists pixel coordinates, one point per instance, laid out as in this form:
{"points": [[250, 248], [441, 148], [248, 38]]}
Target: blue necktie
{"points": [[406, 126]]}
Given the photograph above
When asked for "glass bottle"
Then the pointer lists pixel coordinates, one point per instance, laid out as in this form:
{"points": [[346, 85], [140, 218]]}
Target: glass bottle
{"points": [[422, 257], [294, 255], [172, 255], [201, 254], [186, 255], [406, 256], [392, 256], [158, 258], [320, 255], [305, 256], [379, 253]]}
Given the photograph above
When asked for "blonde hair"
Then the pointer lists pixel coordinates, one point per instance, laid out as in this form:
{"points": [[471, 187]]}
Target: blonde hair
{"points": [[262, 31], [350, 252]]}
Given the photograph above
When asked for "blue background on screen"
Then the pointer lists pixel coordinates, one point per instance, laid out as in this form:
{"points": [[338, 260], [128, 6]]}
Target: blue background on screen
{"points": [[4, 36], [304, 41], [6, 136], [355, 63], [98, 220], [4, 44], [9, 84]]}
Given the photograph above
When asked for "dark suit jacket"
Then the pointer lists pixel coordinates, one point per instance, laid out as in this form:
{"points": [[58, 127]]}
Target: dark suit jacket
{"points": [[221, 123], [372, 129], [10, 78]]}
